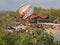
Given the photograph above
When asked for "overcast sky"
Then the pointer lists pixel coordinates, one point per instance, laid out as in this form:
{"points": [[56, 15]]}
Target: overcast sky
{"points": [[14, 4]]}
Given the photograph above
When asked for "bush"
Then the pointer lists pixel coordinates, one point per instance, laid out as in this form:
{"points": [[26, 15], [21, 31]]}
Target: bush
{"points": [[37, 38]]}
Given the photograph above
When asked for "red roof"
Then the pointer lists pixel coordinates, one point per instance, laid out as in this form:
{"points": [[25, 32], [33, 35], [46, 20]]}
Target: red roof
{"points": [[34, 16], [19, 16], [40, 16], [43, 17]]}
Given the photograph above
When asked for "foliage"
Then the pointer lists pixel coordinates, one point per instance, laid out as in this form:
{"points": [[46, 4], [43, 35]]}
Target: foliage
{"points": [[37, 38]]}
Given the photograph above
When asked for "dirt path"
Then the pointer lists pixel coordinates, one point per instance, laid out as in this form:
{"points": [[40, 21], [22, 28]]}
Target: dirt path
{"points": [[56, 34]]}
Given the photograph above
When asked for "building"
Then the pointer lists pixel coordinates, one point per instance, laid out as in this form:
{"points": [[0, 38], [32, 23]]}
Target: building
{"points": [[34, 18]]}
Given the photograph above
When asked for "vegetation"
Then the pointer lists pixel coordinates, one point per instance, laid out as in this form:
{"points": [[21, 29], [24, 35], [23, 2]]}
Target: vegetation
{"points": [[7, 18], [37, 38]]}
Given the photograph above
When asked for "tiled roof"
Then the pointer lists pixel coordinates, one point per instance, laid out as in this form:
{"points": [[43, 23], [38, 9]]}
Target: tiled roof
{"points": [[34, 16], [40, 16], [43, 17], [19, 16]]}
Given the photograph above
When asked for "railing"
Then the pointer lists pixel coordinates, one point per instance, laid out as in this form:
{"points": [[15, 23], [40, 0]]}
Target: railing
{"points": [[49, 24]]}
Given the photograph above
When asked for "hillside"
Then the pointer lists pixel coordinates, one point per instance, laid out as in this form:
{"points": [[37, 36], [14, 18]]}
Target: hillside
{"points": [[7, 18]]}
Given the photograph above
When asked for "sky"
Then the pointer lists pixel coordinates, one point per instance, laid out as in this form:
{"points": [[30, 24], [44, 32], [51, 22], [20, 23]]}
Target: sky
{"points": [[13, 5]]}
